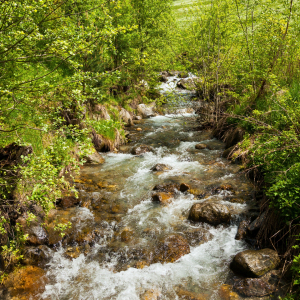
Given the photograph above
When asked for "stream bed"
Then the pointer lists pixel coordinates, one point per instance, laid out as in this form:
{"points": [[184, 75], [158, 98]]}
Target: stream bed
{"points": [[127, 246], [130, 225]]}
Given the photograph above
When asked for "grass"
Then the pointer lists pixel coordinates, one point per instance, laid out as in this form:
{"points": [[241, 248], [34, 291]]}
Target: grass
{"points": [[184, 10]]}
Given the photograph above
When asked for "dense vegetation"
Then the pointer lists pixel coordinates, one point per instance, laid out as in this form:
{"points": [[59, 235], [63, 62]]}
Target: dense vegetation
{"points": [[60, 58], [247, 54]]}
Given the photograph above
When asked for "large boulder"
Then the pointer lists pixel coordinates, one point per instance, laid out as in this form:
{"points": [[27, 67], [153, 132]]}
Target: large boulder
{"points": [[210, 212], [141, 149], [126, 117], [171, 249], [146, 111], [255, 263]]}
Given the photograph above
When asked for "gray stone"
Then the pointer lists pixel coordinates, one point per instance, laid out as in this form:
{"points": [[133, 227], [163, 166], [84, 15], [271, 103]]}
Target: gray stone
{"points": [[126, 117], [37, 256], [94, 158], [141, 149], [258, 287], [37, 235], [210, 212], [255, 263], [146, 111]]}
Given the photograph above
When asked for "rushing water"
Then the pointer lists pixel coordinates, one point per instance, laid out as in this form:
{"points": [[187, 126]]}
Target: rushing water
{"points": [[130, 224]]}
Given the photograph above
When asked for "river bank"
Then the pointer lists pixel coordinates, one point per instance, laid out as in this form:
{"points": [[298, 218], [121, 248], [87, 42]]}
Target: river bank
{"points": [[133, 234]]}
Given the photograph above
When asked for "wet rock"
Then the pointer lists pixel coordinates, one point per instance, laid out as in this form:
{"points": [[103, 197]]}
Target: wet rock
{"points": [[37, 235], [254, 287], [142, 264], [145, 111], [139, 129], [151, 295], [171, 249], [224, 187], [162, 197], [126, 235], [137, 118], [256, 224], [126, 117], [163, 78], [226, 293], [169, 188], [198, 236], [187, 295], [184, 187], [201, 146], [197, 192], [210, 212], [94, 158], [37, 256], [242, 230], [72, 252], [26, 283], [255, 263], [68, 201], [141, 149], [161, 168], [258, 287]]}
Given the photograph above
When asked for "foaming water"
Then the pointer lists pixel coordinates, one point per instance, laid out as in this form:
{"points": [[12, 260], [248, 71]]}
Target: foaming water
{"points": [[114, 267], [204, 266]]}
